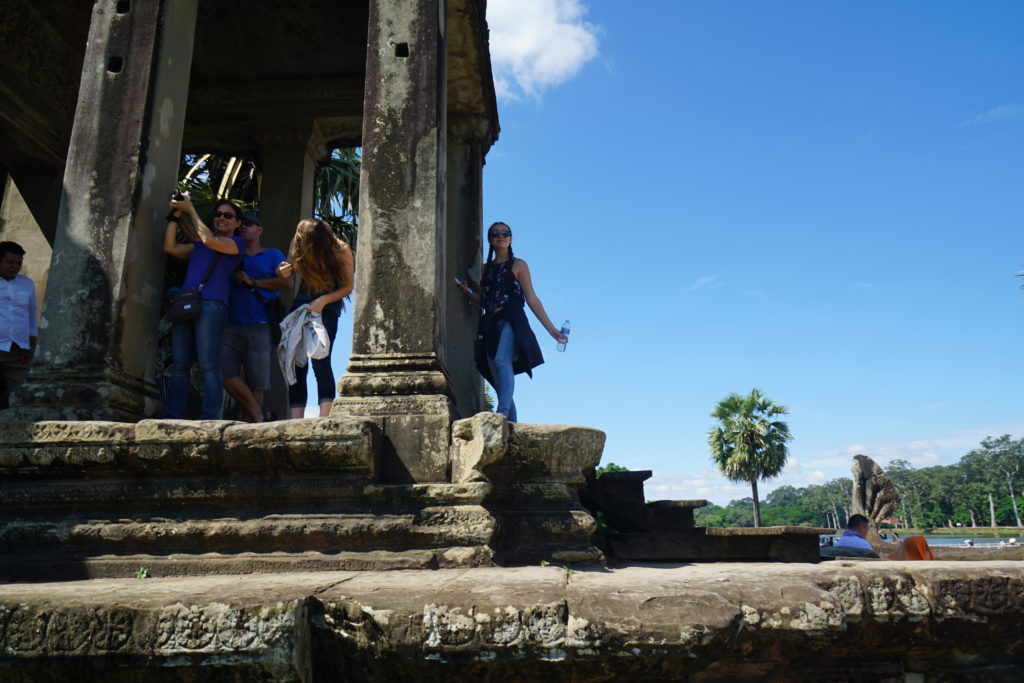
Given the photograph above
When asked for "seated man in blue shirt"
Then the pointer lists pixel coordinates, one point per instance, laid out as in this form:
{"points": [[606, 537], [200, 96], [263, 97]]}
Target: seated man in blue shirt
{"points": [[856, 533], [246, 347]]}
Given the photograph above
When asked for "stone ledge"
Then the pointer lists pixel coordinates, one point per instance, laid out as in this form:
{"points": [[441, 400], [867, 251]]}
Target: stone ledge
{"points": [[842, 621], [767, 531], [186, 446], [712, 544]]}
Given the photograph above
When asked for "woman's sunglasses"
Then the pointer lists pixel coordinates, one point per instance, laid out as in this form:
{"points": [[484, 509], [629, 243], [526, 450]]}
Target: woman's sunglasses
{"points": [[224, 214], [500, 233]]}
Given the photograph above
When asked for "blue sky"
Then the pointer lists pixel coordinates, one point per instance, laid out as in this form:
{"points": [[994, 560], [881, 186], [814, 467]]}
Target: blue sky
{"points": [[821, 200]]}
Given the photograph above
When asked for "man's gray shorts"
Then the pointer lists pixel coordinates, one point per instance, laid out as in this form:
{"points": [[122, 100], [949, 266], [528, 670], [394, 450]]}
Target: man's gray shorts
{"points": [[247, 347]]}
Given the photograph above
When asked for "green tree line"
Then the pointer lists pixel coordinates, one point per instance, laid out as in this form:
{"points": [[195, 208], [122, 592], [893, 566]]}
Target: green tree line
{"points": [[982, 489]]}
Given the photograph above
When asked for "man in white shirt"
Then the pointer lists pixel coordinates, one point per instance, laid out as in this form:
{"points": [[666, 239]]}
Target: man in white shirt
{"points": [[18, 329]]}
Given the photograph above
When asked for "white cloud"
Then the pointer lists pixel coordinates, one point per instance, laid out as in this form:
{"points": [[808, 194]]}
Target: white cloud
{"points": [[1001, 113], [943, 449], [536, 44], [709, 282]]}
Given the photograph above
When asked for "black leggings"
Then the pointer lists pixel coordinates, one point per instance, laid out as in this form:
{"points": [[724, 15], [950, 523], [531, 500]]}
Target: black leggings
{"points": [[325, 388]]}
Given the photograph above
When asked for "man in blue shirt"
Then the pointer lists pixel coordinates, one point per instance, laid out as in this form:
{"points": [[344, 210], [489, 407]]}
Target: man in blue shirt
{"points": [[18, 328], [856, 533], [246, 349]]}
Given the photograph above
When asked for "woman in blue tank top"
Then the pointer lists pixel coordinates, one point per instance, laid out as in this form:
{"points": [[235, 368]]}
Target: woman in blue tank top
{"points": [[506, 344]]}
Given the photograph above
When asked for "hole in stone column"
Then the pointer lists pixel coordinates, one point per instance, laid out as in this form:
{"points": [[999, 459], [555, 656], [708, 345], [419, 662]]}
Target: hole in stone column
{"points": [[114, 64], [402, 50], [123, 6]]}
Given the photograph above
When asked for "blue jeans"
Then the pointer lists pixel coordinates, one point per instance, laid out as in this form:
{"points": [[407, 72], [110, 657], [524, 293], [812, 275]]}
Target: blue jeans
{"points": [[502, 375], [199, 337], [325, 387]]}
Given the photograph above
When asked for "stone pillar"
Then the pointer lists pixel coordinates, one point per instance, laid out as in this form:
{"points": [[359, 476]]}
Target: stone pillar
{"points": [[396, 374], [289, 154], [464, 230], [97, 340], [4, 177]]}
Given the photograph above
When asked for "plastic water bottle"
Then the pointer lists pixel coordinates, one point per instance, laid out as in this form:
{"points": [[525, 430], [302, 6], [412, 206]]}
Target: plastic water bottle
{"points": [[565, 332]]}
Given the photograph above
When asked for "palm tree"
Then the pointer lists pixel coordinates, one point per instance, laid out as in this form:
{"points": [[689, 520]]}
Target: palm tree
{"points": [[749, 444], [337, 193]]}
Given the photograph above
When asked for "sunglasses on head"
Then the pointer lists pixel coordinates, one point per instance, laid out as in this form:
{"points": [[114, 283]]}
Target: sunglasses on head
{"points": [[500, 233], [244, 222], [224, 214]]}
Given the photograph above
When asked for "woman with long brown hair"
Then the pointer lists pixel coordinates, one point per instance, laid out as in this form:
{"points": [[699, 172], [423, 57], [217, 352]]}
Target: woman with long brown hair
{"points": [[508, 346], [323, 265]]}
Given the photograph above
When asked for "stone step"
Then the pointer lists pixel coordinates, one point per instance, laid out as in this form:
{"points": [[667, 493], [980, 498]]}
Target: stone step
{"points": [[167, 495], [672, 515], [70, 567], [429, 527], [710, 544], [97, 497], [527, 536], [32, 449], [898, 621]]}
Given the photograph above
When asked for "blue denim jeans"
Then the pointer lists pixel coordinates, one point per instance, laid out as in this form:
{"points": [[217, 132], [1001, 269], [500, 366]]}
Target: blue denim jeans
{"points": [[325, 386], [502, 374], [197, 338]]}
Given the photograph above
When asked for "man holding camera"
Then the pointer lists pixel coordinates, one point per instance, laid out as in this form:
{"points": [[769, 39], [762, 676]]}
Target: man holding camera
{"points": [[247, 347], [18, 328]]}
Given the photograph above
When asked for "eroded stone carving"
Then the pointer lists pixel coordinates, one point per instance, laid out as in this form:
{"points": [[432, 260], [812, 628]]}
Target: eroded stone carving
{"points": [[477, 442], [722, 621], [874, 495]]}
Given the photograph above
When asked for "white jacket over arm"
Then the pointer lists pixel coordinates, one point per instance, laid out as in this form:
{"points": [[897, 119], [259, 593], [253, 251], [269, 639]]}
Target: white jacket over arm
{"points": [[303, 336]]}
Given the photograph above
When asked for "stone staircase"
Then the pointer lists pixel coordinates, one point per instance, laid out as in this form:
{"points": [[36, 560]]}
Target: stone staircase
{"points": [[665, 530], [101, 499]]}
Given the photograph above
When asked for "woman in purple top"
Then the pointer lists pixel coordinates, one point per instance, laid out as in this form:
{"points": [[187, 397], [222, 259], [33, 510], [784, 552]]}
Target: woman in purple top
{"points": [[201, 336]]}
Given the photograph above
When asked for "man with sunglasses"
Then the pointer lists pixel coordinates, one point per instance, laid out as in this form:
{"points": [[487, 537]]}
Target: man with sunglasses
{"points": [[212, 255], [247, 349]]}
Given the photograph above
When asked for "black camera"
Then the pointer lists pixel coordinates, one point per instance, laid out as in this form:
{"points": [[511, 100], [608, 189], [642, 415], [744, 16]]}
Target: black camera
{"points": [[177, 195]]}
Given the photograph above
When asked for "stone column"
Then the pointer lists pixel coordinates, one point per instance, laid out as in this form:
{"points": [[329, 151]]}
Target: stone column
{"points": [[396, 375], [289, 154], [97, 340], [4, 176], [464, 229]]}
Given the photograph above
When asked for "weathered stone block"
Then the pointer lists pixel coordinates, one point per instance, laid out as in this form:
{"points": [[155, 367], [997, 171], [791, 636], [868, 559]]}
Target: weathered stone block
{"points": [[269, 639], [477, 442], [51, 445], [548, 453], [698, 622], [334, 444], [171, 444], [416, 431]]}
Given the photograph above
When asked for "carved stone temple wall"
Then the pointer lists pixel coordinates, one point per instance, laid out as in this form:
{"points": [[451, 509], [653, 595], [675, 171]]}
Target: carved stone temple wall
{"points": [[97, 102], [393, 479], [134, 548]]}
